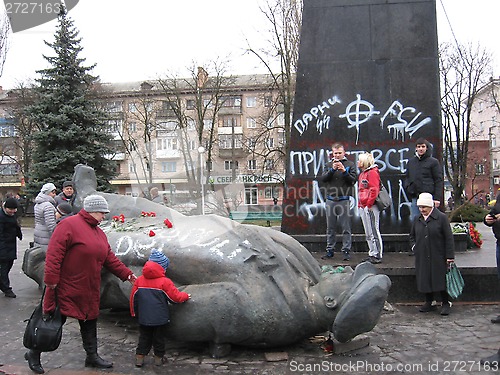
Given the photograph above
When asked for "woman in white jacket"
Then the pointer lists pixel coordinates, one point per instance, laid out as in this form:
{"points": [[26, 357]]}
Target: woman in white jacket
{"points": [[45, 214]]}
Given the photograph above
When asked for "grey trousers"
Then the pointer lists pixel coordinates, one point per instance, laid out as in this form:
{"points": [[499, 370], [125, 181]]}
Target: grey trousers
{"points": [[338, 212]]}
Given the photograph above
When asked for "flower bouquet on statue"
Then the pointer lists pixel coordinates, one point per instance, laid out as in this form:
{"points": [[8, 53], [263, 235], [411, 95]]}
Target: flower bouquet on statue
{"points": [[473, 236]]}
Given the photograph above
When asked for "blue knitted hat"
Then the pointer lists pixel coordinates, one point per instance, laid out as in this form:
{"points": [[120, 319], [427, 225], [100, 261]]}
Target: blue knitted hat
{"points": [[160, 258]]}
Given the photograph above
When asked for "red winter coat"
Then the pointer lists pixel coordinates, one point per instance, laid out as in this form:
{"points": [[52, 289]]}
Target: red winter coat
{"points": [[151, 293], [76, 254], [368, 186]]}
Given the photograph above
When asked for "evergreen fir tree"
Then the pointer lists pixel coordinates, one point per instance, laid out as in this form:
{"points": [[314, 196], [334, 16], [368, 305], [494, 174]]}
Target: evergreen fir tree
{"points": [[71, 126]]}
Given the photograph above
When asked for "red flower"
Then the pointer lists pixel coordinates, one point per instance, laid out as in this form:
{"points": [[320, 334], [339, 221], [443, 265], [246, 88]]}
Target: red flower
{"points": [[115, 218], [152, 214], [168, 223], [151, 233]]}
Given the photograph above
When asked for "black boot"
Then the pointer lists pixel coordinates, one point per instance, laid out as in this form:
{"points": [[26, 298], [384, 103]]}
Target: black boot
{"points": [[33, 358], [88, 329]]}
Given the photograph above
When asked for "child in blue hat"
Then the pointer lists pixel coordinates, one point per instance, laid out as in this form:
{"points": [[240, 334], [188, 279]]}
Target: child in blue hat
{"points": [[151, 293]]}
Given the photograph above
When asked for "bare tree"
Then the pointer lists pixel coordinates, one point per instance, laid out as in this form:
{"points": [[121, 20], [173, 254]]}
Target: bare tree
{"points": [[285, 21], [5, 31], [138, 135], [198, 118], [21, 147], [463, 70]]}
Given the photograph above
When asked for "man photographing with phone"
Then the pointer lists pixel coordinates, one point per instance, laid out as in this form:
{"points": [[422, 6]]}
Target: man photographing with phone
{"points": [[340, 180]]}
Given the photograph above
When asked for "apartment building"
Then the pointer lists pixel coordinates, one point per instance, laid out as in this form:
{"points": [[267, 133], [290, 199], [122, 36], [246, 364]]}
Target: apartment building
{"points": [[172, 135], [483, 170]]}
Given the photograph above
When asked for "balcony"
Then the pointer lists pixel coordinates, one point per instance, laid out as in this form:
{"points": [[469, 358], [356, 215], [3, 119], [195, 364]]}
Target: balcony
{"points": [[230, 111], [228, 130], [168, 154], [228, 152]]}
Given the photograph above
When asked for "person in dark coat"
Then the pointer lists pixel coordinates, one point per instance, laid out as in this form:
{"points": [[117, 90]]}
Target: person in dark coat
{"points": [[340, 179], [9, 232], [492, 219], [149, 299], [424, 174], [66, 195], [432, 242], [76, 254]]}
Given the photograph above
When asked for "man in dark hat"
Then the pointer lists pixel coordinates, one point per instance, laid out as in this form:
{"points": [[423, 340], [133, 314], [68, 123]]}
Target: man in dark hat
{"points": [[9, 230], [66, 195]]}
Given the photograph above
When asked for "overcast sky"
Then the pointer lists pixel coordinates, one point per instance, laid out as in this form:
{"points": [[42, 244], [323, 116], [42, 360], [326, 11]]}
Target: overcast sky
{"points": [[138, 40]]}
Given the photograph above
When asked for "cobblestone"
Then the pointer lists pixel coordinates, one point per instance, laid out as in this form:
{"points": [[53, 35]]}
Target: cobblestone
{"points": [[404, 341]]}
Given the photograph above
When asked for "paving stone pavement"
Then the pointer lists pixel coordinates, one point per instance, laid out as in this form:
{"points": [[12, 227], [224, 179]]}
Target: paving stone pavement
{"points": [[404, 341]]}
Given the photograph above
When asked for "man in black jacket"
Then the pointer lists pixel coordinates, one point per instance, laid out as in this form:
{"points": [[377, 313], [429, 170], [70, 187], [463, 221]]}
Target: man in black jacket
{"points": [[424, 175], [340, 178], [9, 230]]}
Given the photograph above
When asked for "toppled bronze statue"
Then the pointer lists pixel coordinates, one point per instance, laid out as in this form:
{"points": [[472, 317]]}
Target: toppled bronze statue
{"points": [[249, 285]]}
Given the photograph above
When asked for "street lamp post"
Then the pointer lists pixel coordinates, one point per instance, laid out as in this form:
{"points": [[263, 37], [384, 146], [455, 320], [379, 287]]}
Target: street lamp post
{"points": [[201, 151]]}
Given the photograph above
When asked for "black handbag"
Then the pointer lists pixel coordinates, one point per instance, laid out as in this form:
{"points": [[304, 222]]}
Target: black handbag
{"points": [[43, 333], [383, 200]]}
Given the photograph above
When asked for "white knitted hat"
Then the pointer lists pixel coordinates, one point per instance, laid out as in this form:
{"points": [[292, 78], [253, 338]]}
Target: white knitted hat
{"points": [[95, 203], [425, 199]]}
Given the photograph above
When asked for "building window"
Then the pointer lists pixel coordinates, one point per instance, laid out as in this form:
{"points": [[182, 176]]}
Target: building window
{"points": [[168, 166], [191, 124], [9, 169], [270, 142], [226, 141], [132, 127], [168, 143], [281, 139], [251, 194], [132, 107], [271, 192], [207, 103], [209, 166], [228, 165], [190, 104], [208, 124], [269, 164], [252, 164], [231, 101], [251, 123], [281, 119], [229, 121], [7, 131], [115, 107], [165, 128], [251, 101], [268, 101], [251, 143], [479, 168], [131, 168], [495, 163], [165, 105]]}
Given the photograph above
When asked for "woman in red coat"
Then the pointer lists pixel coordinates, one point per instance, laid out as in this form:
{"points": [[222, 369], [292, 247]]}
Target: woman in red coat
{"points": [[368, 189], [76, 254]]}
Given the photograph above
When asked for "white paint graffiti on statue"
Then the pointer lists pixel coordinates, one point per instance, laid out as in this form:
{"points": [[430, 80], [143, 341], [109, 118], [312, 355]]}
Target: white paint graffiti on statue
{"points": [[360, 111], [318, 203], [305, 162], [198, 237]]}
